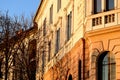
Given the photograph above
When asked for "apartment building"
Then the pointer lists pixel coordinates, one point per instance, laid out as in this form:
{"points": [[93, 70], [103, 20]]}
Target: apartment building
{"points": [[78, 40], [21, 56], [24, 55]]}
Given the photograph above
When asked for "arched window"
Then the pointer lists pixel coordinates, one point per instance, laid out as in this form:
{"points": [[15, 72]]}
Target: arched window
{"points": [[70, 77], [106, 66]]}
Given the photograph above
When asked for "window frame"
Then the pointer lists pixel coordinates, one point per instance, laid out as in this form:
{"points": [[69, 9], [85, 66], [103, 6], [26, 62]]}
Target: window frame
{"points": [[95, 6], [57, 44], [69, 26], [51, 14], [49, 50], [44, 27], [99, 65], [107, 5], [58, 5]]}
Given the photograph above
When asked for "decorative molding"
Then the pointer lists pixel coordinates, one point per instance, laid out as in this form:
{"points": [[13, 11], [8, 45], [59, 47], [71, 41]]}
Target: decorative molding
{"points": [[103, 31]]}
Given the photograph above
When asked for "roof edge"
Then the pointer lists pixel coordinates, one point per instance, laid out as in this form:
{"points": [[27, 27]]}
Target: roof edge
{"points": [[37, 10]]}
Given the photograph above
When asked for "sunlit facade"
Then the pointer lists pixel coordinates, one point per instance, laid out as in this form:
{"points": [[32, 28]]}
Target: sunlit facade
{"points": [[78, 40]]}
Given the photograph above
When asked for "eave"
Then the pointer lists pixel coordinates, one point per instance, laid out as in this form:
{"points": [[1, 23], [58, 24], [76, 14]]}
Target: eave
{"points": [[35, 17]]}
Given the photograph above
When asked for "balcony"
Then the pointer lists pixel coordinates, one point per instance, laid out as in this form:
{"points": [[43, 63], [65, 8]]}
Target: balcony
{"points": [[102, 20]]}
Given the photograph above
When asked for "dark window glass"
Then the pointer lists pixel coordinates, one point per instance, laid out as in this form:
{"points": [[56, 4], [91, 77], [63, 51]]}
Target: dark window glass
{"points": [[44, 27], [69, 22], [97, 6], [58, 5], [51, 14], [106, 66], [49, 50], [43, 61], [79, 70], [57, 40], [109, 5], [70, 77]]}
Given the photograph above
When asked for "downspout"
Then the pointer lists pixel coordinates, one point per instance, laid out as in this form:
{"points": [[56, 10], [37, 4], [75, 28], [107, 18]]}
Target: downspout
{"points": [[83, 41], [83, 52], [52, 74]]}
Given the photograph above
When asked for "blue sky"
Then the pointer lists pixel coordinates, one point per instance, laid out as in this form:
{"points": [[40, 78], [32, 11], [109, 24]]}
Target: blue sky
{"points": [[19, 7]]}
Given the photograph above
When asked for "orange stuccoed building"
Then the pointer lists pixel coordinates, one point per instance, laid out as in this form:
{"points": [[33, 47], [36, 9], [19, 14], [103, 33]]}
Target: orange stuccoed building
{"points": [[78, 40]]}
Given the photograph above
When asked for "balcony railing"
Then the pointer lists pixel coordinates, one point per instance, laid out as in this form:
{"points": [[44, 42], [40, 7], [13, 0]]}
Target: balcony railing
{"points": [[104, 19], [97, 21], [109, 18]]}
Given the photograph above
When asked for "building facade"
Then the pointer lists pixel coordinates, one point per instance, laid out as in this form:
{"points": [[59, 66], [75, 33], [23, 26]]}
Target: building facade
{"points": [[78, 40], [21, 56], [24, 55]]}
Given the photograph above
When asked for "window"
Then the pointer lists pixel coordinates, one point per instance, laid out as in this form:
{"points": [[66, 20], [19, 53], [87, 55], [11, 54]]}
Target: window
{"points": [[69, 22], [106, 66], [58, 5], [49, 50], [57, 40], [70, 77], [97, 6], [51, 14], [44, 27], [79, 70], [109, 5], [43, 61]]}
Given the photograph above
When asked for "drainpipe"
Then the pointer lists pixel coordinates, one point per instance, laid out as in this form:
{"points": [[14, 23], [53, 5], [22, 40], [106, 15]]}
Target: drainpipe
{"points": [[52, 74], [83, 52], [83, 41]]}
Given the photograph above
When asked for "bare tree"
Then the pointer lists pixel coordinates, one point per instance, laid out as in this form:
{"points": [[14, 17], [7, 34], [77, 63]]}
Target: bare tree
{"points": [[7, 30], [25, 56], [10, 37]]}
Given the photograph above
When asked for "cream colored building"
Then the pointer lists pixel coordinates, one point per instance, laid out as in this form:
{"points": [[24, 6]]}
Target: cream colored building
{"points": [[75, 38]]}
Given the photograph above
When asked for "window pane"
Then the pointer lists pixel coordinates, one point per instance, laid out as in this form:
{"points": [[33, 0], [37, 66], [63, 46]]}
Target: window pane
{"points": [[112, 71], [97, 6], [57, 40], [51, 14], [105, 72], [112, 67], [49, 50], [70, 77], [106, 66], [44, 27], [79, 70], [110, 4], [58, 5], [69, 23]]}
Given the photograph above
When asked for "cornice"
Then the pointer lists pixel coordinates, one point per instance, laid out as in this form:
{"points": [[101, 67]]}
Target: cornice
{"points": [[68, 5], [111, 29], [40, 10]]}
